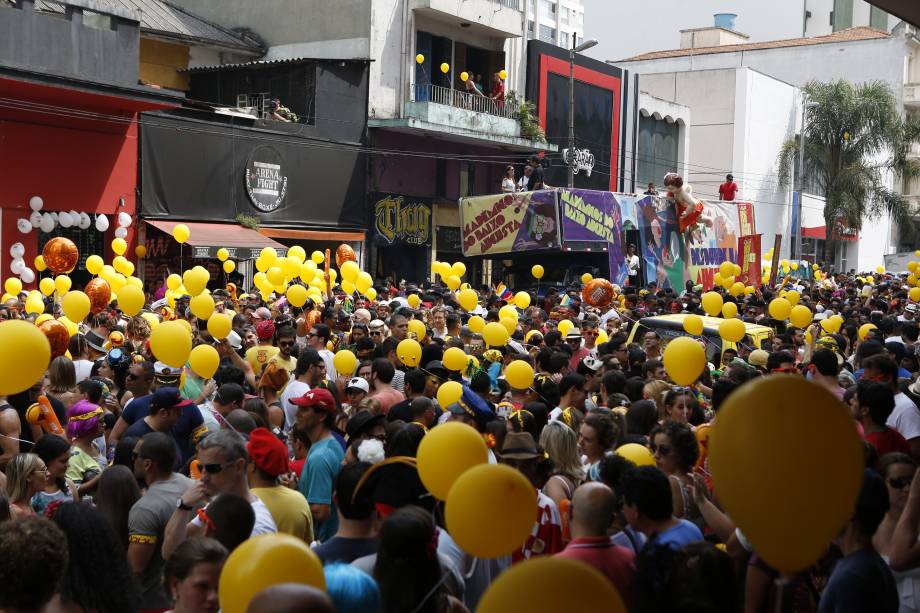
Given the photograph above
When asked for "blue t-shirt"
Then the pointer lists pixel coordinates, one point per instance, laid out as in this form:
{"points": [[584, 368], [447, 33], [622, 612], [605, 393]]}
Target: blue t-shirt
{"points": [[189, 427], [682, 533], [860, 582], [324, 461]]}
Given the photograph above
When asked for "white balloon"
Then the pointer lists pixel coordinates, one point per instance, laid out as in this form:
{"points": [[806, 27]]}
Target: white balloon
{"points": [[85, 221], [121, 232], [17, 250], [17, 266], [102, 223], [124, 219], [35, 219], [27, 275], [54, 216], [65, 220], [47, 224], [36, 203], [74, 216], [23, 225]]}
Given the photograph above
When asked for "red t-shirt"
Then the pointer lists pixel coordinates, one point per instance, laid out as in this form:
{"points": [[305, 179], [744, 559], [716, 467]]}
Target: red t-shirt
{"points": [[616, 563], [888, 440], [727, 191]]}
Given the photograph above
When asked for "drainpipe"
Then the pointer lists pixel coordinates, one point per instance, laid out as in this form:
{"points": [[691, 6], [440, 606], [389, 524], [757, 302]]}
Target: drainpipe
{"points": [[403, 58]]}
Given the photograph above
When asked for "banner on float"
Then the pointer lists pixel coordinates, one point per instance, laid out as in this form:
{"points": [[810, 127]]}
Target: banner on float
{"points": [[709, 246], [662, 246], [506, 223], [627, 218], [589, 216], [749, 259], [746, 224]]}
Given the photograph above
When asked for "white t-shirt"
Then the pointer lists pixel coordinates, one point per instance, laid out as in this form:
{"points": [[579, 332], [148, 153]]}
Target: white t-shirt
{"points": [[508, 185], [83, 369], [294, 389], [330, 364], [632, 263], [905, 418], [264, 522]]}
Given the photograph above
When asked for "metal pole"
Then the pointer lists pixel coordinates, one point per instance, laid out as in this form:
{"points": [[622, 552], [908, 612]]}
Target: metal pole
{"points": [[798, 229], [571, 157]]}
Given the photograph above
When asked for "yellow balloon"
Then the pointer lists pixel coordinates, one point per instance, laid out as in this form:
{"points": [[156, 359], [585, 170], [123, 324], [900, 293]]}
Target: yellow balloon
{"points": [[550, 584], [297, 295], [419, 59], [914, 294], [219, 326], [298, 253], [537, 271], [636, 453], [729, 310], [75, 306], [364, 282], [204, 361], [564, 326], [519, 375], [350, 271], [684, 359], [509, 323], [468, 299], [349, 288], [458, 269], [454, 359], [453, 282], [495, 334], [181, 233], [522, 300], [317, 257], [72, 328], [806, 491], [449, 393], [202, 306], [793, 297], [864, 331], [223, 254], [779, 309], [371, 294], [602, 337], [731, 330], [831, 325], [42, 319], [262, 265], [736, 289], [131, 300], [46, 286], [409, 352], [447, 452], [290, 266], [476, 324], [35, 304], [693, 324], [727, 269], [119, 246], [414, 301], [263, 561], [491, 486], [464, 76], [171, 343], [12, 286], [229, 266], [268, 255], [24, 355], [345, 363], [275, 275], [94, 264], [800, 316], [417, 328], [195, 280], [508, 311], [40, 265], [586, 278], [712, 303], [870, 279], [445, 67], [727, 282], [140, 251], [880, 270]]}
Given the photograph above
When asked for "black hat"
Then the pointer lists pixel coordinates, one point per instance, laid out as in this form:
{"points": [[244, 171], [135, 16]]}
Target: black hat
{"points": [[362, 422]]}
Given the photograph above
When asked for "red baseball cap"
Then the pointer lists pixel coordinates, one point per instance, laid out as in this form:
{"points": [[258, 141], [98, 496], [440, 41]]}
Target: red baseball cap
{"points": [[318, 398], [265, 329], [267, 452]]}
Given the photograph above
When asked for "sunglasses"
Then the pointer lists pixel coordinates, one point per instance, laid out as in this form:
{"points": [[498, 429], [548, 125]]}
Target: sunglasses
{"points": [[664, 450], [376, 332], [215, 469], [899, 483]]}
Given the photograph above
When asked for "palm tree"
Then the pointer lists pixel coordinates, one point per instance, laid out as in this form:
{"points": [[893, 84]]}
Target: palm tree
{"points": [[854, 137]]}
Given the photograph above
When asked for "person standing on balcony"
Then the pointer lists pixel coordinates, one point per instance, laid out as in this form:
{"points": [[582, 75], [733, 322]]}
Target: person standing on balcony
{"points": [[479, 85], [472, 88], [498, 91], [729, 189], [508, 185], [524, 181]]}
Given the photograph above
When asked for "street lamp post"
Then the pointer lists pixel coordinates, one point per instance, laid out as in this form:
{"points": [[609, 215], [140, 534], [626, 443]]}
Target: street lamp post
{"points": [[571, 152]]}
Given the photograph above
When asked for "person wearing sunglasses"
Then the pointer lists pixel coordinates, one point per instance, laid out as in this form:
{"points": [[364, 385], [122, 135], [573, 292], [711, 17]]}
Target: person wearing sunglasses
{"points": [[223, 462], [898, 470], [871, 406], [676, 451]]}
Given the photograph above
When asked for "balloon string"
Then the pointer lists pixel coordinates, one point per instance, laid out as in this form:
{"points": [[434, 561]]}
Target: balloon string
{"points": [[13, 438], [781, 583]]}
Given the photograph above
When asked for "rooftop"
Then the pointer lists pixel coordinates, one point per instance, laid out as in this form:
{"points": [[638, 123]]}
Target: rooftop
{"points": [[844, 36], [163, 18]]}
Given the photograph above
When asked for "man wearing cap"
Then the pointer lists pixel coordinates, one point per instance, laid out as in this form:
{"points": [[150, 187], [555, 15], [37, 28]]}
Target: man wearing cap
{"points": [[166, 407], [356, 390], [270, 460], [189, 427], [316, 415], [574, 340], [259, 355], [154, 463], [223, 458]]}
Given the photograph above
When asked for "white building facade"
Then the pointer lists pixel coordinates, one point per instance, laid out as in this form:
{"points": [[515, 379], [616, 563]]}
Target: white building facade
{"points": [[559, 22]]}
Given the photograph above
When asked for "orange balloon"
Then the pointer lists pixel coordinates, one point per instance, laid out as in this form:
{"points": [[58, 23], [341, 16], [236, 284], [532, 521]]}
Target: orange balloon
{"points": [[57, 335], [344, 254], [60, 254], [598, 292], [99, 294]]}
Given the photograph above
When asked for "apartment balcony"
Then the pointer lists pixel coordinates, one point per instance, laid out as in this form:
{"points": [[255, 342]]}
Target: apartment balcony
{"points": [[912, 95], [458, 116], [497, 18]]}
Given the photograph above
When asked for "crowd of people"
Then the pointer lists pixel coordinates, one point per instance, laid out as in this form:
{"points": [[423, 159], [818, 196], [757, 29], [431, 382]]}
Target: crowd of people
{"points": [[158, 475]]}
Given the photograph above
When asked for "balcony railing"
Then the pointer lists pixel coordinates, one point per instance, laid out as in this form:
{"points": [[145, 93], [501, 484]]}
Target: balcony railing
{"points": [[511, 4], [435, 94]]}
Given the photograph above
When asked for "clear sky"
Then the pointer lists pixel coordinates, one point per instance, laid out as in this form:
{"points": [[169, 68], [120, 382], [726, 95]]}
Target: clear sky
{"points": [[629, 27]]}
